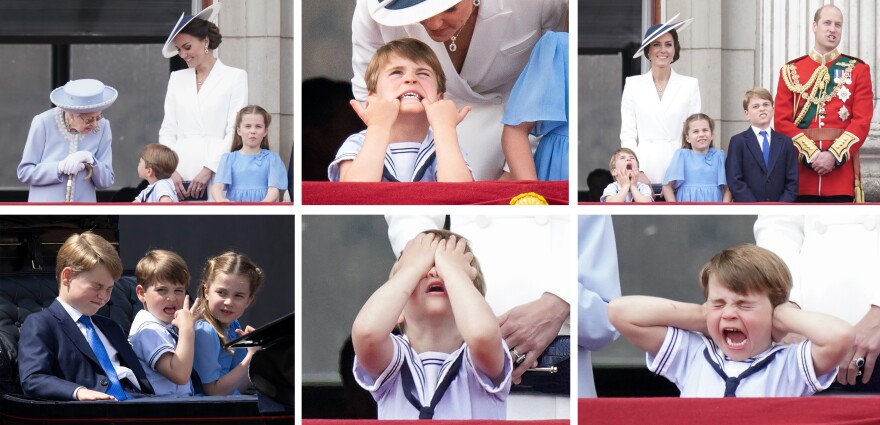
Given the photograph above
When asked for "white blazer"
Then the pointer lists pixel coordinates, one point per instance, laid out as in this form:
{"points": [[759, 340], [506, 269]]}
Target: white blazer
{"points": [[503, 39], [199, 125], [652, 127]]}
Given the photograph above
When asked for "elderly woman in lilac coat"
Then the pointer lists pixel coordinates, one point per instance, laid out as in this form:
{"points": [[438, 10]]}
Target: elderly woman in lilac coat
{"points": [[67, 156]]}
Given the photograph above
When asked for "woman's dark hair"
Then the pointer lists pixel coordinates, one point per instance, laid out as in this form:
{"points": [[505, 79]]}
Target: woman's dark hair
{"points": [[200, 28], [675, 42]]}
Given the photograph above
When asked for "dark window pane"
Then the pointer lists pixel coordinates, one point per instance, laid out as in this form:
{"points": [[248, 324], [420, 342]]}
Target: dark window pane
{"points": [[140, 74], [90, 18], [24, 93]]}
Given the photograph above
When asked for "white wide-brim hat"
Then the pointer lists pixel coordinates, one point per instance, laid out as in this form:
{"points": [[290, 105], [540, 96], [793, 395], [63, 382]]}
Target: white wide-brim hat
{"points": [[83, 96], [395, 13], [656, 31], [209, 14]]}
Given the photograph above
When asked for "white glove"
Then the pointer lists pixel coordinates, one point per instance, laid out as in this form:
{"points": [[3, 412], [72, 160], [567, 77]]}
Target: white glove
{"points": [[75, 162]]}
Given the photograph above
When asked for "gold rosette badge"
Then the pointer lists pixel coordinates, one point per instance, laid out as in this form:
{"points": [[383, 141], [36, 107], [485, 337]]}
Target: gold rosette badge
{"points": [[528, 198]]}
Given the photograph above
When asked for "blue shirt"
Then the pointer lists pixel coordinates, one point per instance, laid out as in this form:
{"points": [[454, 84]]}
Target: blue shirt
{"points": [[211, 361]]}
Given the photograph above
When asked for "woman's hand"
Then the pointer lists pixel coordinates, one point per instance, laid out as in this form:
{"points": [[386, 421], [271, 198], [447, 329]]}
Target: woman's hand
{"points": [[177, 181], [200, 183]]}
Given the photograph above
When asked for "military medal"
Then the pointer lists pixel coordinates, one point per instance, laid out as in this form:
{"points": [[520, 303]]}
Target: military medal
{"points": [[838, 73], [844, 94], [844, 113]]}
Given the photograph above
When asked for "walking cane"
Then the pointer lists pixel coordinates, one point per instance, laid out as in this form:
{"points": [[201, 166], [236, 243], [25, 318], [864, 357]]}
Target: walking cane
{"points": [[70, 177]]}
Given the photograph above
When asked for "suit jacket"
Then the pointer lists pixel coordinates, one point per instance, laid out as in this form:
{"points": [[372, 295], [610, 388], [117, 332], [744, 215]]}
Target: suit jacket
{"points": [[747, 177], [54, 358], [651, 126], [199, 125], [505, 33]]}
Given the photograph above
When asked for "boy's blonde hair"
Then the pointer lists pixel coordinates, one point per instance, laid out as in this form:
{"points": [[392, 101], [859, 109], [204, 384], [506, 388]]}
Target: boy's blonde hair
{"points": [[406, 48], [756, 93], [160, 265], [229, 263], [479, 281], [749, 269], [85, 251], [699, 116], [161, 159], [618, 152]]}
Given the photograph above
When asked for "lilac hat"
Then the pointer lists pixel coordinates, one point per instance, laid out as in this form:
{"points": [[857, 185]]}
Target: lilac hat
{"points": [[395, 13], [656, 31], [83, 96], [209, 14]]}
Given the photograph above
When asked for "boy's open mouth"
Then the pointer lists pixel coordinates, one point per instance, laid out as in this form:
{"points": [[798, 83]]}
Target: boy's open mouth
{"points": [[735, 338], [436, 287], [410, 95], [629, 167]]}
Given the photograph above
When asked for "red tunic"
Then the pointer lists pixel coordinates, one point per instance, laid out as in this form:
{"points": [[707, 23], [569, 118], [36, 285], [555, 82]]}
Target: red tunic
{"points": [[858, 96]]}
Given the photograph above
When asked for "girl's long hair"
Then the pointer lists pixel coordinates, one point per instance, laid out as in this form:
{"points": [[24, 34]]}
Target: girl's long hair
{"points": [[237, 143], [230, 263]]}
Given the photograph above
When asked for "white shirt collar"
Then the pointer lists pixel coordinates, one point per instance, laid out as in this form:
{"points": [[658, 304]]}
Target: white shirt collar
{"points": [[74, 313], [758, 131]]}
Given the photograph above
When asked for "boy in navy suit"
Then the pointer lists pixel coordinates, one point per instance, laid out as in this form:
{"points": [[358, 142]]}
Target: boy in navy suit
{"points": [[68, 353], [761, 164]]}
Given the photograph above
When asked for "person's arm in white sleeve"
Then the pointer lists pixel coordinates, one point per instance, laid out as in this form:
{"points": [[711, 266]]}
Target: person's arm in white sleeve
{"points": [[784, 235], [366, 38], [629, 131], [598, 281], [403, 228]]}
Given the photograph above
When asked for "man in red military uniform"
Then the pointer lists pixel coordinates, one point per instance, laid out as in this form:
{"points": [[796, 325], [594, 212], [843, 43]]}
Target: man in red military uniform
{"points": [[824, 102]]}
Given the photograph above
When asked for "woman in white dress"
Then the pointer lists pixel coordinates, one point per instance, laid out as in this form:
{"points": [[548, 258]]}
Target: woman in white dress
{"points": [[655, 104], [483, 46], [201, 103]]}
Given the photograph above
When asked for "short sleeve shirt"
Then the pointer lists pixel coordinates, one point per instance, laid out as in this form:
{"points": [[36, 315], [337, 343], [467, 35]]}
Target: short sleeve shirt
{"points": [[614, 189], [151, 339], [404, 162], [471, 394], [789, 374], [211, 361]]}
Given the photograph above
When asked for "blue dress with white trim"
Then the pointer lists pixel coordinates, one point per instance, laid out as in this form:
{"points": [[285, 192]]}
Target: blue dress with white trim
{"points": [[541, 96]]}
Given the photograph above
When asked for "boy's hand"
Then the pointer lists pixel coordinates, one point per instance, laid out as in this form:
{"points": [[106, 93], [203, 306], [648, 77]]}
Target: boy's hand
{"points": [[450, 256], [443, 113], [183, 318], [85, 394], [780, 334], [418, 255], [779, 330], [377, 112]]}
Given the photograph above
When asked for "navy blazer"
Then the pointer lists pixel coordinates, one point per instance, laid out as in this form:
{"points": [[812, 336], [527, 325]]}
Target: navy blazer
{"points": [[54, 358], [747, 177]]}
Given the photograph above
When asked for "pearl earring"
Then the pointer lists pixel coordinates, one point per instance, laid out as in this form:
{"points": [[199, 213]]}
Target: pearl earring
{"points": [[206, 48]]}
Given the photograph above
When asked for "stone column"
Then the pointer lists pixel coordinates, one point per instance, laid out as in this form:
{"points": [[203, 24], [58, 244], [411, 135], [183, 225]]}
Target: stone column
{"points": [[786, 33], [258, 37]]}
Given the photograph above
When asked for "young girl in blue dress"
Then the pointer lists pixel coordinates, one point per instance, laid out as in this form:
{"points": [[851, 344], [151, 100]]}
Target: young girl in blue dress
{"points": [[696, 172], [230, 282], [250, 172], [538, 105]]}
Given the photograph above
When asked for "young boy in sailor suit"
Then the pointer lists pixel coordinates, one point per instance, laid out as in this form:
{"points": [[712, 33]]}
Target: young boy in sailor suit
{"points": [[410, 133], [450, 362], [725, 347]]}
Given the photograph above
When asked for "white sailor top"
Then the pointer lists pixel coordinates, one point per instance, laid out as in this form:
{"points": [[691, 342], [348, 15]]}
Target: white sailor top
{"points": [[404, 161], [789, 373], [470, 395]]}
